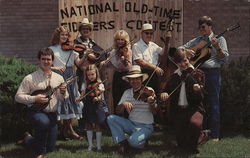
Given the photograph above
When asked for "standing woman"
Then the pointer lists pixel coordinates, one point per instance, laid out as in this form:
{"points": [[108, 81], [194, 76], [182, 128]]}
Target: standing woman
{"points": [[65, 61], [121, 60]]}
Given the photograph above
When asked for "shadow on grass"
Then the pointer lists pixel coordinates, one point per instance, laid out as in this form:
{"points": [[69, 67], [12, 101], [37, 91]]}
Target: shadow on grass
{"points": [[20, 152]]}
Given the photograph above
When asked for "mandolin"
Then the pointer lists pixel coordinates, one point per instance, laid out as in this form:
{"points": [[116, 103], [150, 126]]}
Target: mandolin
{"points": [[202, 49], [49, 92]]}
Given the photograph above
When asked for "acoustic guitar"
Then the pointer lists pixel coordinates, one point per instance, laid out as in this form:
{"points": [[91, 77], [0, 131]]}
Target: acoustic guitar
{"points": [[203, 49], [48, 92]]}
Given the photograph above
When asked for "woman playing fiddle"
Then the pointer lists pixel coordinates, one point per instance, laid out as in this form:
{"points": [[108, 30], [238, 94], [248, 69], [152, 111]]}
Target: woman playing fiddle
{"points": [[121, 60], [64, 64], [184, 91], [93, 90]]}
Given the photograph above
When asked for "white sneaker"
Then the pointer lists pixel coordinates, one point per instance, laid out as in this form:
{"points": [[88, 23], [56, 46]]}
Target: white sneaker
{"points": [[90, 148]]}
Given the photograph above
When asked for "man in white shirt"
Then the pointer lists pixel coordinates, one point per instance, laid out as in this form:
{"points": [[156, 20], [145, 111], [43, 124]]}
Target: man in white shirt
{"points": [[146, 54], [138, 126], [44, 121]]}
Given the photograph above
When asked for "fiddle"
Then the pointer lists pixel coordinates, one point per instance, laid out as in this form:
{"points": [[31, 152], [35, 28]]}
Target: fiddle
{"points": [[67, 46], [123, 54], [94, 90], [143, 94]]}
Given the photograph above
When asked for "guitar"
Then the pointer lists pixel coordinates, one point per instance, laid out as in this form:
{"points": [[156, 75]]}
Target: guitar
{"points": [[48, 92], [202, 49]]}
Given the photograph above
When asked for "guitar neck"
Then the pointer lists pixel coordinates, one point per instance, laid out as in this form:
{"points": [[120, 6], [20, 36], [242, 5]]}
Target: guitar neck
{"points": [[218, 36]]}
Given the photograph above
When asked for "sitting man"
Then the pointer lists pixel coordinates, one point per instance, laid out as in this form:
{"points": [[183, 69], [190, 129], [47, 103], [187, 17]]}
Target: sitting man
{"points": [[140, 105], [43, 120]]}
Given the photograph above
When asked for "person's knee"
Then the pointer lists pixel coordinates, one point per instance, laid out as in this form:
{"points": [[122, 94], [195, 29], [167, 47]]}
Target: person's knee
{"points": [[43, 123], [110, 118], [136, 142]]}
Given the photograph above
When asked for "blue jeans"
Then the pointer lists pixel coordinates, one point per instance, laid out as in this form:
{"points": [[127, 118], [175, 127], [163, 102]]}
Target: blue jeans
{"points": [[212, 86], [138, 132], [45, 128]]}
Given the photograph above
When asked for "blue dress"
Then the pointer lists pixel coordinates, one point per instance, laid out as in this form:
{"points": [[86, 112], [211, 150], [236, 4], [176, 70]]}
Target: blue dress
{"points": [[68, 108]]}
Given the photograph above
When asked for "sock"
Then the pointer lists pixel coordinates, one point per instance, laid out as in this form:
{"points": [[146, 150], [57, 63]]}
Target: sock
{"points": [[90, 138], [98, 140]]}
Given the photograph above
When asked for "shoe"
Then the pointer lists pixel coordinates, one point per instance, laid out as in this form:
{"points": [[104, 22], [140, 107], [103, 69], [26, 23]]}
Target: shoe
{"points": [[215, 139], [76, 136], [204, 136], [123, 147], [25, 137], [90, 148], [40, 156]]}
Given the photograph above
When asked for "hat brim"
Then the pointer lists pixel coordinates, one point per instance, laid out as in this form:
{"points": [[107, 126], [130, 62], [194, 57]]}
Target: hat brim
{"points": [[85, 24], [144, 77]]}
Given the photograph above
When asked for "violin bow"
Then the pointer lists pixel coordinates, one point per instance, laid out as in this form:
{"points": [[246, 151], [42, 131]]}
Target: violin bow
{"points": [[184, 80], [83, 96], [130, 42], [150, 77]]}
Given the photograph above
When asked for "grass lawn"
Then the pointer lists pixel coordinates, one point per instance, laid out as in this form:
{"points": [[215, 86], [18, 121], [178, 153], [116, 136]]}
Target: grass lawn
{"points": [[160, 145]]}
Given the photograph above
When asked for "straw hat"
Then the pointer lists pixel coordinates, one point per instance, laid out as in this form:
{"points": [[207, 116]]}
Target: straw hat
{"points": [[147, 26], [85, 22], [135, 72]]}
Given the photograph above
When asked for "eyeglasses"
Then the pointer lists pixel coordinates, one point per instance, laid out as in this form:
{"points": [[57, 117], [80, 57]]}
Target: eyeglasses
{"points": [[85, 29], [149, 33]]}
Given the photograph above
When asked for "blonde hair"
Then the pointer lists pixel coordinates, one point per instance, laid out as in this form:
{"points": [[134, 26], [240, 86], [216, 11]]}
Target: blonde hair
{"points": [[123, 35], [56, 35], [89, 68]]}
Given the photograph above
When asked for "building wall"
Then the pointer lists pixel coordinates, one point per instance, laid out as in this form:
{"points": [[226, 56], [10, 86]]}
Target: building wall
{"points": [[26, 26]]}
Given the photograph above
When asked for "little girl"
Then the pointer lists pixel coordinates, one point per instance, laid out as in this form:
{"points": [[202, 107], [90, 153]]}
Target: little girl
{"points": [[93, 98]]}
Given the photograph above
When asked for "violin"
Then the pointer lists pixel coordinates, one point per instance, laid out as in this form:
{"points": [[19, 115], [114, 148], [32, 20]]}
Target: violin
{"points": [[67, 46], [123, 54], [93, 89], [143, 94], [196, 74]]}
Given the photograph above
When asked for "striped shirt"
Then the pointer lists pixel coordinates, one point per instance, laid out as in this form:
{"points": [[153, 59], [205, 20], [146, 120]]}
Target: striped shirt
{"points": [[141, 110], [38, 81]]}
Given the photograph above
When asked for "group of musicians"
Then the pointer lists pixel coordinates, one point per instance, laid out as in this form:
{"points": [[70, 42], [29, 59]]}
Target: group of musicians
{"points": [[146, 77]]}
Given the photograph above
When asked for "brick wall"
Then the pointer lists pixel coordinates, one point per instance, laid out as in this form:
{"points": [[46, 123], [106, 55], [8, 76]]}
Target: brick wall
{"points": [[26, 26], [224, 14]]}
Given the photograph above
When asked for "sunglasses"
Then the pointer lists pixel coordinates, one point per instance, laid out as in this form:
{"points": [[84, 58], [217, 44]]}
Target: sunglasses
{"points": [[149, 33], [86, 29]]}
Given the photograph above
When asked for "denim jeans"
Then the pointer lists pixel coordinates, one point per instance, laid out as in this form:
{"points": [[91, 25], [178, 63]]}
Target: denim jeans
{"points": [[45, 128], [138, 132], [212, 86]]}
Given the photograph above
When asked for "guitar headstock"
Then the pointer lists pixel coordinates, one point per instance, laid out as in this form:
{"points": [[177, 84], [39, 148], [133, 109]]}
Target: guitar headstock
{"points": [[71, 79], [234, 27]]}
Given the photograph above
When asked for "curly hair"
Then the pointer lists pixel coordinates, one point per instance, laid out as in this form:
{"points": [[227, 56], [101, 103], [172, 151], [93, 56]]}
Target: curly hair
{"points": [[123, 35], [56, 35]]}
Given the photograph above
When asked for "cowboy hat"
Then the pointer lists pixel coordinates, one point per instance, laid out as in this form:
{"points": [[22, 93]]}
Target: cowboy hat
{"points": [[85, 22], [135, 72], [147, 26]]}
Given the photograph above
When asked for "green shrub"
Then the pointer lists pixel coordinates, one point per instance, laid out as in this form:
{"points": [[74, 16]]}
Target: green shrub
{"points": [[12, 71], [235, 94]]}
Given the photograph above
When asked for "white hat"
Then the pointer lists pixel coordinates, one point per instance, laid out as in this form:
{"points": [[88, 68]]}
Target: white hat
{"points": [[147, 26], [85, 22], [135, 72]]}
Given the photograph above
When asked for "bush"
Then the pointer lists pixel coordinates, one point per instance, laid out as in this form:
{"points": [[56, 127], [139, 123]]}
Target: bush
{"points": [[12, 71], [235, 94]]}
